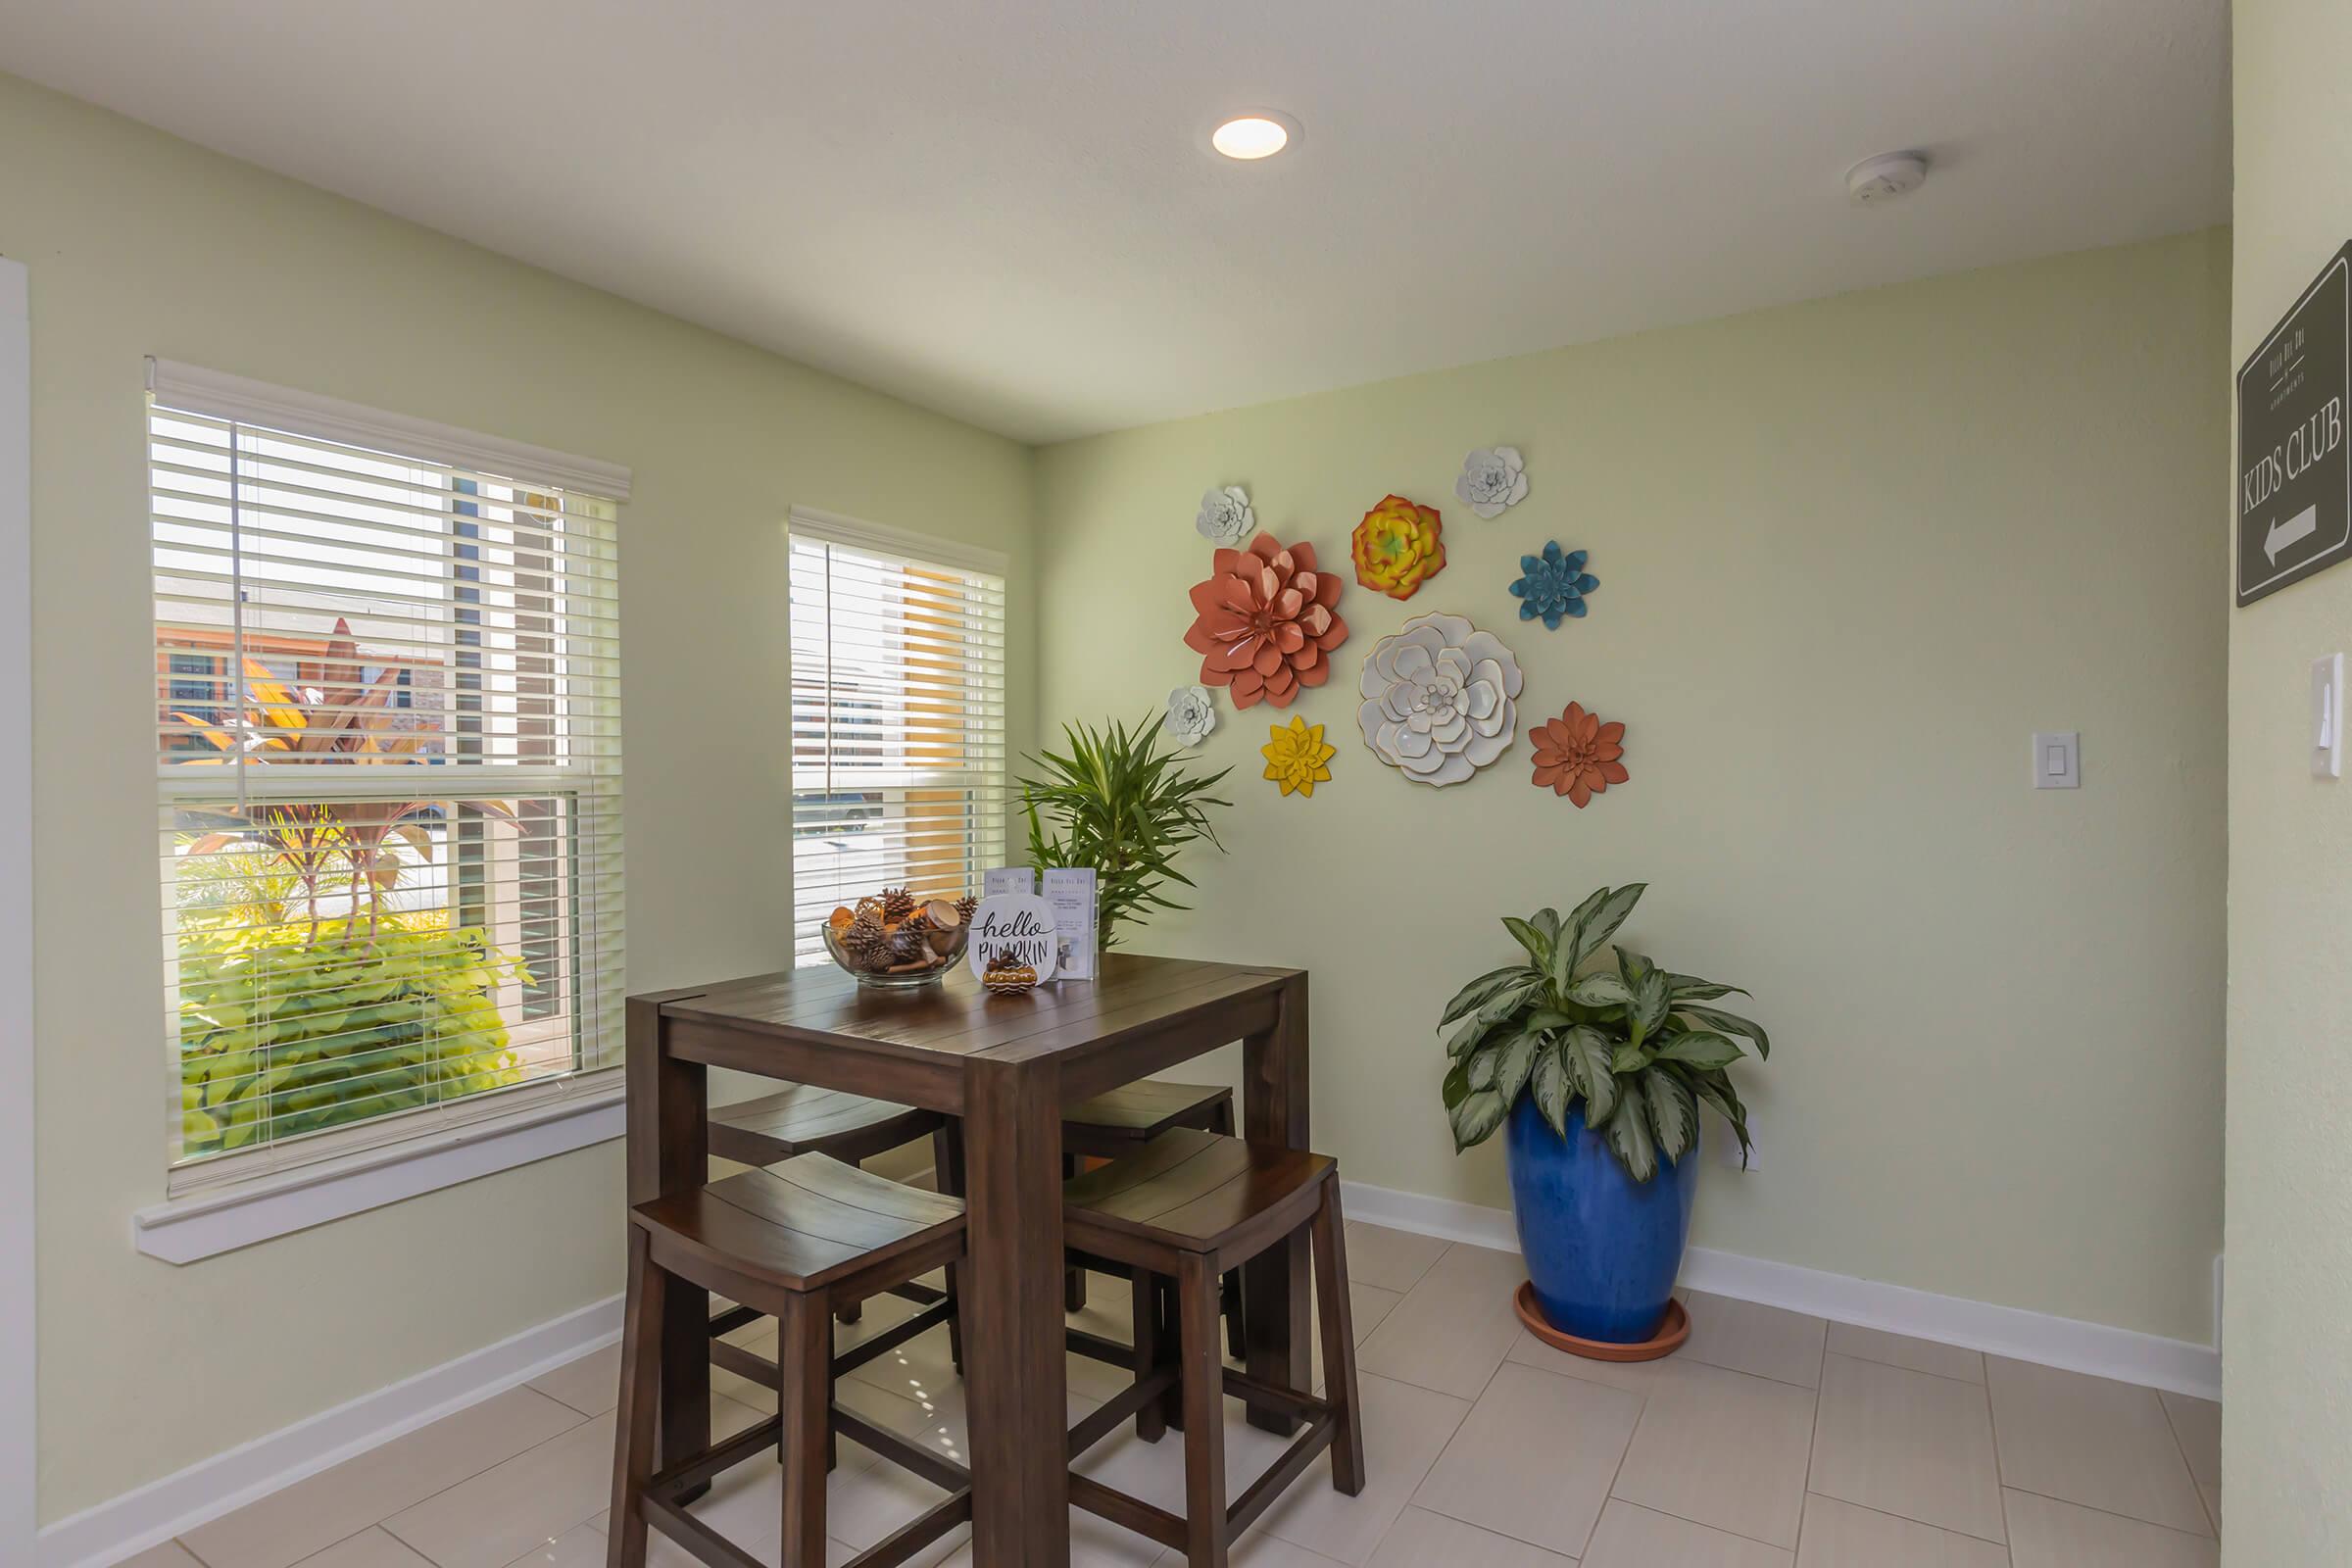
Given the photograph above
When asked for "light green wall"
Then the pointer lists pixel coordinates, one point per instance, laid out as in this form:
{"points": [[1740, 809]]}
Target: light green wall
{"points": [[1851, 554], [139, 244], [2288, 1439]]}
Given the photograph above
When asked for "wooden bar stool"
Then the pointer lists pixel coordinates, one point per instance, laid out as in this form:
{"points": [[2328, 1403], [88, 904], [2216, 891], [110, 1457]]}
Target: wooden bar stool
{"points": [[1121, 1121], [793, 1241], [1187, 1206], [804, 1119]]}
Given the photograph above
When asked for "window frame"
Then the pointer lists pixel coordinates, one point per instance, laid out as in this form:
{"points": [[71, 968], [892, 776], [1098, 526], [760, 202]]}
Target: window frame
{"points": [[223, 1209]]}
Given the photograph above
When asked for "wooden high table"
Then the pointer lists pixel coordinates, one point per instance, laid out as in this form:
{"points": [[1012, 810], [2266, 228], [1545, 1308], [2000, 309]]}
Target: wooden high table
{"points": [[1007, 1065]]}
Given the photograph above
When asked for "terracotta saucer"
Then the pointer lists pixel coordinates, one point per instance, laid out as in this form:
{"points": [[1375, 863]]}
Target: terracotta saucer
{"points": [[1673, 1330]]}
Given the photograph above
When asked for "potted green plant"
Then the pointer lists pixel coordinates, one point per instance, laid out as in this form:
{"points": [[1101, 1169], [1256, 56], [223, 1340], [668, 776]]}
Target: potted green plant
{"points": [[1599, 1072], [1119, 802]]}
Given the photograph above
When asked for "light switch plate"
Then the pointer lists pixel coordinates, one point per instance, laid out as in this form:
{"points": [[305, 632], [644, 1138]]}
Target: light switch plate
{"points": [[2058, 759], [2328, 716]]}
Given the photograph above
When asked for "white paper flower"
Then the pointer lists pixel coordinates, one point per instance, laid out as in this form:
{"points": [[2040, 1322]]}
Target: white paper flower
{"points": [[1438, 699], [1492, 479], [1226, 518], [1192, 715]]}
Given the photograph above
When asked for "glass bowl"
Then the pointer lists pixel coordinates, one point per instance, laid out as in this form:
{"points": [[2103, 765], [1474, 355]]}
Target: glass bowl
{"points": [[916, 957]]}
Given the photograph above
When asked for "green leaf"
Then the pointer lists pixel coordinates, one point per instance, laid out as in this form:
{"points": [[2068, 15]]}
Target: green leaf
{"points": [[1552, 1087], [1483, 1065], [1548, 921], [1581, 917], [1538, 946], [1628, 1057], [1628, 1137], [1600, 989], [1509, 999], [1699, 1048], [1518, 1059], [1589, 1049], [1476, 1118], [1729, 1022], [1691, 988], [1715, 1088], [1548, 1018], [1650, 1004], [1673, 1115], [1456, 1087], [1473, 1030], [1472, 996], [1604, 922]]}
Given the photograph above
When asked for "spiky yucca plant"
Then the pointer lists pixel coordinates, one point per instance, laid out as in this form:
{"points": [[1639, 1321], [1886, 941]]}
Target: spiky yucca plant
{"points": [[1635, 1044], [1120, 804]]}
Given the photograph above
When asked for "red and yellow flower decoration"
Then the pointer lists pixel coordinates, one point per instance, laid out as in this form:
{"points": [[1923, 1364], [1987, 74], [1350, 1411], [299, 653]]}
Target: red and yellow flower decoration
{"points": [[1296, 758], [1399, 546], [1264, 620], [1577, 754]]}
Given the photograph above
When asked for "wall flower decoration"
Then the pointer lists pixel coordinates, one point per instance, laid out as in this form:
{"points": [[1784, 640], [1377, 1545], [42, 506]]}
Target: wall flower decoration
{"points": [[1554, 584], [1192, 715], [1297, 757], [1492, 479], [1264, 622], [1439, 699], [1226, 517], [1399, 546], [1577, 754]]}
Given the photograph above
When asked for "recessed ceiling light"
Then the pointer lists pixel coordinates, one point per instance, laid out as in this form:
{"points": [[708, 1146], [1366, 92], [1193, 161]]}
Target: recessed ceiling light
{"points": [[1260, 133]]}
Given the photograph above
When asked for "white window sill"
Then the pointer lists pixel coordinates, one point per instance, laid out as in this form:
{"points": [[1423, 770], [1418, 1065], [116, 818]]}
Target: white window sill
{"points": [[182, 1230]]}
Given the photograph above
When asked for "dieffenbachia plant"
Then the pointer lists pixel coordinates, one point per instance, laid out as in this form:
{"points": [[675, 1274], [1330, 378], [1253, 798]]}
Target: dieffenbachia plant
{"points": [[1635, 1044]]}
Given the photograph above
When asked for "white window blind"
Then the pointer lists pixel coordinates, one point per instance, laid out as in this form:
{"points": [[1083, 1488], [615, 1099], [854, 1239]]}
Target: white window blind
{"points": [[388, 766], [898, 717]]}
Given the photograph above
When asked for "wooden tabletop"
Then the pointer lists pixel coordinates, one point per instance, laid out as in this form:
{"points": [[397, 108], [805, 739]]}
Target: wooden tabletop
{"points": [[929, 1034]]}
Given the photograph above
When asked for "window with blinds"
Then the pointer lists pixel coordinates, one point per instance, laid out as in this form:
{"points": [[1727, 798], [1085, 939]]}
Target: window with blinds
{"points": [[898, 717], [388, 768]]}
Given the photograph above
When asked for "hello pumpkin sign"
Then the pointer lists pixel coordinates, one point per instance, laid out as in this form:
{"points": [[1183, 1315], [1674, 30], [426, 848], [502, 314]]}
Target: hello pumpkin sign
{"points": [[1012, 930]]}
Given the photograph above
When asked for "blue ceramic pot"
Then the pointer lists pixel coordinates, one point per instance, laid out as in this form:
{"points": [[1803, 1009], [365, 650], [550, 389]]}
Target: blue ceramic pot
{"points": [[1601, 1249]]}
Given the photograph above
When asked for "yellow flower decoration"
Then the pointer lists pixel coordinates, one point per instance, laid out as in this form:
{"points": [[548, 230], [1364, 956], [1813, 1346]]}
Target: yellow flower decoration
{"points": [[1398, 547], [1297, 757]]}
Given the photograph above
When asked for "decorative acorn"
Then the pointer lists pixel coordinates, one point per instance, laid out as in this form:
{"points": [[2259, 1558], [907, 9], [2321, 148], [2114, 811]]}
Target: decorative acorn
{"points": [[942, 920], [1009, 979], [897, 903]]}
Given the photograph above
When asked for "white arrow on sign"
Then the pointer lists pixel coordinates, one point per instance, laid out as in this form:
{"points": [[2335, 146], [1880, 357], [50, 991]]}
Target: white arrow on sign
{"points": [[2302, 525]]}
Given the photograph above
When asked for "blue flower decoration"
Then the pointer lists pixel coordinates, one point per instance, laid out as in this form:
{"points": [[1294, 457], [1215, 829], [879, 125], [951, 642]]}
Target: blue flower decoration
{"points": [[1554, 585]]}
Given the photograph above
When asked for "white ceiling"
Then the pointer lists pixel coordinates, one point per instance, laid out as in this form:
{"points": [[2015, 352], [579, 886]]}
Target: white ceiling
{"points": [[1006, 211]]}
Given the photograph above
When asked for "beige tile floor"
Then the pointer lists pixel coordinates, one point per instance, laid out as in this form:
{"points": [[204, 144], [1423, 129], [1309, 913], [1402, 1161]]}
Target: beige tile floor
{"points": [[1773, 1441]]}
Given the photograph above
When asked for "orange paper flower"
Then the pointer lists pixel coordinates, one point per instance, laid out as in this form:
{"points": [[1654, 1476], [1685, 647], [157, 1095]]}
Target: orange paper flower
{"points": [[1577, 754], [1264, 620], [1297, 757], [1399, 546]]}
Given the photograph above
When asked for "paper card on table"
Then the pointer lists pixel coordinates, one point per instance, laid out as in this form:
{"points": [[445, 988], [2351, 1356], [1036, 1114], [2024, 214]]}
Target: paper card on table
{"points": [[1070, 888]]}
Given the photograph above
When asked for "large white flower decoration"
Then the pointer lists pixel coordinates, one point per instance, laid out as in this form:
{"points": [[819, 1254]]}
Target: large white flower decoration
{"points": [[1226, 518], [1438, 699], [1192, 715], [1491, 478]]}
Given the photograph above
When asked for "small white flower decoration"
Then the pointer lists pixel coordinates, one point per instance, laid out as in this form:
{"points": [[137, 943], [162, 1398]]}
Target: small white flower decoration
{"points": [[1492, 479], [1192, 715], [1226, 518]]}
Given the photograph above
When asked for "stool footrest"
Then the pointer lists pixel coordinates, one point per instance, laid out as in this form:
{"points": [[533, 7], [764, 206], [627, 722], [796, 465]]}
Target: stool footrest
{"points": [[1100, 1422], [891, 1338], [1259, 1394], [1293, 1461], [934, 1467], [695, 1536], [1129, 1513], [1094, 1347], [692, 1471], [917, 1534], [733, 1318]]}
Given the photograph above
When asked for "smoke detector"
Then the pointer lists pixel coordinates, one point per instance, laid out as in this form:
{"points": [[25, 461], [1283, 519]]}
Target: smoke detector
{"points": [[1888, 178]]}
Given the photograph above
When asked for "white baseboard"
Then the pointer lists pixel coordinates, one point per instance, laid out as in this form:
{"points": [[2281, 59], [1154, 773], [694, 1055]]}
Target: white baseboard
{"points": [[123, 1526], [2039, 1336]]}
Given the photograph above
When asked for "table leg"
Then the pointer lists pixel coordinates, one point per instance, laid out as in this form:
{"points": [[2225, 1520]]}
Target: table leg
{"points": [[1011, 1294], [1274, 1283], [669, 1152]]}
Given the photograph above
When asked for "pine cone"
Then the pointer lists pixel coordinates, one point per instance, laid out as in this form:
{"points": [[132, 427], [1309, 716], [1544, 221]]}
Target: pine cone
{"points": [[897, 903], [964, 907], [868, 945]]}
